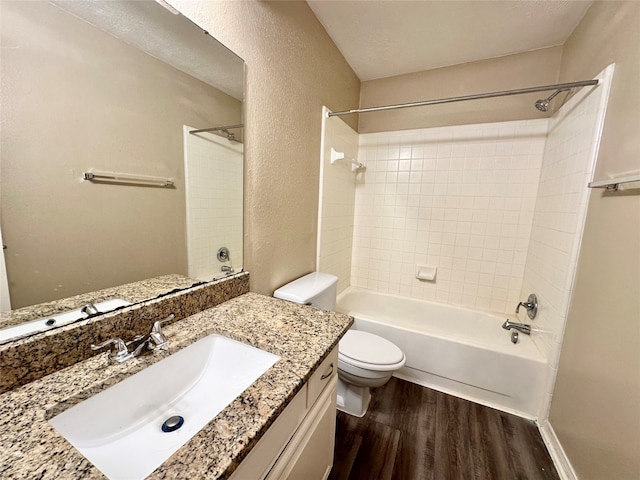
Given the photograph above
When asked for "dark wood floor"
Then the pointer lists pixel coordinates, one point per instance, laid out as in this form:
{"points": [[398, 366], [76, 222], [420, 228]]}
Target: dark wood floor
{"points": [[415, 433]]}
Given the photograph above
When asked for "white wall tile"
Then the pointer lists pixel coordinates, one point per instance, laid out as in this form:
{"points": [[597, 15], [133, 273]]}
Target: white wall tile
{"points": [[468, 213], [559, 215], [558, 220], [213, 169]]}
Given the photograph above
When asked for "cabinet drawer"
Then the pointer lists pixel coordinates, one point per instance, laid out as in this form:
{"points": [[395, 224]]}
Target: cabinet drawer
{"points": [[321, 377]]}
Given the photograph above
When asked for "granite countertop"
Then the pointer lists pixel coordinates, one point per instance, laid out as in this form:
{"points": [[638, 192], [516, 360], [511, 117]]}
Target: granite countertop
{"points": [[31, 448], [131, 292]]}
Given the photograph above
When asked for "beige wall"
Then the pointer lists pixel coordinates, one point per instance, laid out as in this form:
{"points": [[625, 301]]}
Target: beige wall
{"points": [[538, 67], [63, 113], [293, 68], [595, 410]]}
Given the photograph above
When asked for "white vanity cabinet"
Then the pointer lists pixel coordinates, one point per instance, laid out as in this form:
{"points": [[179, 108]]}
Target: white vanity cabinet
{"points": [[300, 443]]}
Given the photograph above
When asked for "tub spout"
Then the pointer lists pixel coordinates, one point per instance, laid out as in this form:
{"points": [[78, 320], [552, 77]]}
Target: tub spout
{"points": [[521, 327]]}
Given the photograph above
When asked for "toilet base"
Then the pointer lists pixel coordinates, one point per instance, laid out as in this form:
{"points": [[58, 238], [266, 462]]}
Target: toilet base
{"points": [[352, 399]]}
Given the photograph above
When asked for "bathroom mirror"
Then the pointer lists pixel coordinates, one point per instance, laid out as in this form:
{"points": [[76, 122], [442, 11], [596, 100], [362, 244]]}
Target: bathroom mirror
{"points": [[115, 86]]}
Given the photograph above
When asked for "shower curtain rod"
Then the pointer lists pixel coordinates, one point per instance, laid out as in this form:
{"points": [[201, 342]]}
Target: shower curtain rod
{"points": [[504, 93], [215, 129]]}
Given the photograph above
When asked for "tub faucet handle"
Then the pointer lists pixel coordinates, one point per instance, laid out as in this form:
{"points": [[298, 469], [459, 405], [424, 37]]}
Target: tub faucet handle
{"points": [[531, 305]]}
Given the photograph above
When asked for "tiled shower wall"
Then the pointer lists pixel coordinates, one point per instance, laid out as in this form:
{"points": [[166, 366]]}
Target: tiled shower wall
{"points": [[569, 162], [459, 198], [337, 199], [499, 209], [213, 174]]}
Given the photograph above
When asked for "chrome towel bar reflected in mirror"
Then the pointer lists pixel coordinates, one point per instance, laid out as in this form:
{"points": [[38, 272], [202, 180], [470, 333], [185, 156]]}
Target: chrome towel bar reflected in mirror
{"points": [[613, 184], [125, 178]]}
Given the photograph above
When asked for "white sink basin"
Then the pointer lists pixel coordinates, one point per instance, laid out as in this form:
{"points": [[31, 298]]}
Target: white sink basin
{"points": [[120, 429], [58, 320]]}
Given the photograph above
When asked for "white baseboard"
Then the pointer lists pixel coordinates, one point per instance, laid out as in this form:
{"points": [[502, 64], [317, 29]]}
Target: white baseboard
{"points": [[558, 455]]}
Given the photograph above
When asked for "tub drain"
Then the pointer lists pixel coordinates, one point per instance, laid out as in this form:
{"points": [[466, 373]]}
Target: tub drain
{"points": [[172, 423]]}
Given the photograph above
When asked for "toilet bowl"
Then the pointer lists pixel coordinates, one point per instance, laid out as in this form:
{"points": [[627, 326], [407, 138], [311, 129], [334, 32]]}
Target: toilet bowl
{"points": [[365, 360]]}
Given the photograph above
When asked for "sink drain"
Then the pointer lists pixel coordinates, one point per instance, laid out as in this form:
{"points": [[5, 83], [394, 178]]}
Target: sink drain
{"points": [[172, 423]]}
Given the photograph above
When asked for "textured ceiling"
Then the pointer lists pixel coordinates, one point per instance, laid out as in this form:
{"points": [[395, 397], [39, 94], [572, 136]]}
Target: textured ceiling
{"points": [[386, 38], [170, 38]]}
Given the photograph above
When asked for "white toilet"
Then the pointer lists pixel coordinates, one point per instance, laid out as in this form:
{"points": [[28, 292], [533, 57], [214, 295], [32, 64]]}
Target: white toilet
{"points": [[364, 360]]}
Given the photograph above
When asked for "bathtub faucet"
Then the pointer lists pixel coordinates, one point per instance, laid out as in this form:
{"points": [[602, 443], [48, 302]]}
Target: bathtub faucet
{"points": [[531, 305], [521, 327]]}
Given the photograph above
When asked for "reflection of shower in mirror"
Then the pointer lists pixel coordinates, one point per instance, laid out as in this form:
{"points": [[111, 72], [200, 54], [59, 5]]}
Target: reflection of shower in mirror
{"points": [[223, 129], [214, 209], [223, 256]]}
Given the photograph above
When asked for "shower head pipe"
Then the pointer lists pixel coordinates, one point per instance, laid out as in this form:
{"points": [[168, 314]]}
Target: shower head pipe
{"points": [[224, 129], [543, 104]]}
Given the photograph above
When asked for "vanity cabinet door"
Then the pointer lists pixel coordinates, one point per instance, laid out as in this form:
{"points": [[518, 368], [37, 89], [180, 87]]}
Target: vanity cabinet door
{"points": [[261, 459], [309, 455], [316, 458], [299, 445]]}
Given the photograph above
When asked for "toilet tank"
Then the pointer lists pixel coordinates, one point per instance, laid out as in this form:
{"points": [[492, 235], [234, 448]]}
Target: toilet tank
{"points": [[316, 289]]}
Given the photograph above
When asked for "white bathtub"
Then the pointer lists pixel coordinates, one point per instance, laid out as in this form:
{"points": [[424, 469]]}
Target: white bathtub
{"points": [[455, 350]]}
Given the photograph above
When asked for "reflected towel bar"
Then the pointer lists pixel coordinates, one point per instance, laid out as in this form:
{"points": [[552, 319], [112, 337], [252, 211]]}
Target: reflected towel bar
{"points": [[125, 178], [613, 184]]}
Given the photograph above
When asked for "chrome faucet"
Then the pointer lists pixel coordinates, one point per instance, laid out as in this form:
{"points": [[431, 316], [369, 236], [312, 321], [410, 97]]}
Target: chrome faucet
{"points": [[521, 327], [89, 309], [227, 268], [140, 343], [120, 352], [531, 305], [156, 336]]}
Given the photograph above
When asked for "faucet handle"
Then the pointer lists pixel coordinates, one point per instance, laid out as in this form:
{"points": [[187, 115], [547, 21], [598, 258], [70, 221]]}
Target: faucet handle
{"points": [[159, 323], [156, 331], [89, 309], [120, 353], [531, 305]]}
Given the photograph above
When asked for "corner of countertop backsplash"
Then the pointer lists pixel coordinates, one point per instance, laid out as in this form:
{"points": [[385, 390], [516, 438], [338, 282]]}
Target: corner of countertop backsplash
{"points": [[31, 358]]}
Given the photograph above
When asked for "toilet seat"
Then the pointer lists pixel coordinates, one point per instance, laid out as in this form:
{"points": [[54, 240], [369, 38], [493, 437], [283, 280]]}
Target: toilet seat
{"points": [[368, 351]]}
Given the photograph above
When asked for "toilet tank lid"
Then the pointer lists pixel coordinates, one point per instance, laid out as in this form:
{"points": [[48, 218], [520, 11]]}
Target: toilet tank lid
{"points": [[306, 288]]}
